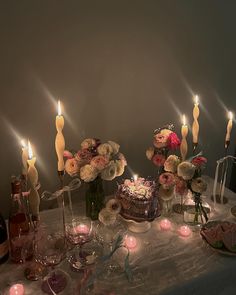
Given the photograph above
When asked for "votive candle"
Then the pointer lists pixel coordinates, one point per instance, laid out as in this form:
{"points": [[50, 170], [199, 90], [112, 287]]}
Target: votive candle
{"points": [[17, 289], [185, 231], [130, 242], [165, 224]]}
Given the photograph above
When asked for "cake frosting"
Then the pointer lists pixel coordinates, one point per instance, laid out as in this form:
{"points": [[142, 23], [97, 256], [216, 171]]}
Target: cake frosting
{"points": [[138, 199]]}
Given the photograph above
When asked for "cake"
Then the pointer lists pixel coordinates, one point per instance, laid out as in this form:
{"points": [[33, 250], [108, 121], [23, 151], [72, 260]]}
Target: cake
{"points": [[138, 199]]}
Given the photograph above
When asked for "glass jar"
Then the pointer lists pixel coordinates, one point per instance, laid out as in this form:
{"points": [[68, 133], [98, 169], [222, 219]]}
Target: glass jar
{"points": [[196, 210]]}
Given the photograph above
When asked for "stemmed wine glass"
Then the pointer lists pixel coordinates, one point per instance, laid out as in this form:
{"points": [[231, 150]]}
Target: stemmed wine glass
{"points": [[78, 233], [50, 250]]}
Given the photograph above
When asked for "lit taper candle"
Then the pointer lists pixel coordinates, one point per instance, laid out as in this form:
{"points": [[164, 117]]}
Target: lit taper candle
{"points": [[24, 157], [195, 126], [34, 199], [229, 129], [184, 144], [60, 141]]}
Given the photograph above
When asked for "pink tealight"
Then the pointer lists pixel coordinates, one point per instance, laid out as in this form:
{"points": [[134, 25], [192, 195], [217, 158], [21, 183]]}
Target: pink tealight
{"points": [[130, 242], [165, 224], [17, 289], [185, 231], [82, 229]]}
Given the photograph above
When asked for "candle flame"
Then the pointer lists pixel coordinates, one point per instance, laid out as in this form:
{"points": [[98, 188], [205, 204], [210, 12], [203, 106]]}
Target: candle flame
{"points": [[230, 115], [30, 152], [135, 177], [59, 107], [196, 99], [23, 144], [184, 120]]}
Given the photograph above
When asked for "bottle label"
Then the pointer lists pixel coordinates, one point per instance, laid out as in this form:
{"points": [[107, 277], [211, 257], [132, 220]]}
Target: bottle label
{"points": [[3, 249]]}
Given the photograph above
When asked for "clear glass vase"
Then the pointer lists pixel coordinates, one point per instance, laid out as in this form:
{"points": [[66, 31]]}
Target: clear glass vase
{"points": [[94, 198], [196, 210]]}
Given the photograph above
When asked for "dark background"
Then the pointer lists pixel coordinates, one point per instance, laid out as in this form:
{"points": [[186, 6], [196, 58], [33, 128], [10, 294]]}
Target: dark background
{"points": [[121, 68]]}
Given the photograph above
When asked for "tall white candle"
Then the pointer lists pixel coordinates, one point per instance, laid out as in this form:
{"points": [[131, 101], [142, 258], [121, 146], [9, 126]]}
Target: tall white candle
{"points": [[195, 126], [24, 157], [34, 199], [60, 141], [184, 144], [229, 129]]}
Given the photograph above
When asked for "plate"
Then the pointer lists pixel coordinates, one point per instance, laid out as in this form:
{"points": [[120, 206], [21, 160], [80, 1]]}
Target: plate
{"points": [[223, 250]]}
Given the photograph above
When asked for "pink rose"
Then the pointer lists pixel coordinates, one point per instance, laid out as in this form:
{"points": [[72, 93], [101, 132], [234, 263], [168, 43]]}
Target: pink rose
{"points": [[161, 139], [173, 141], [158, 160], [67, 154], [199, 161], [167, 180], [99, 162], [84, 157], [72, 166]]}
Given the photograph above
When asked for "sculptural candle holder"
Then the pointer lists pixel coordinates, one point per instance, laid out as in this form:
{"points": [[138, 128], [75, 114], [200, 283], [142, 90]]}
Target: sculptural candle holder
{"points": [[60, 199]]}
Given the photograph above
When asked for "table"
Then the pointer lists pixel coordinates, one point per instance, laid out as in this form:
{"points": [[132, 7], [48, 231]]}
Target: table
{"points": [[164, 263]]}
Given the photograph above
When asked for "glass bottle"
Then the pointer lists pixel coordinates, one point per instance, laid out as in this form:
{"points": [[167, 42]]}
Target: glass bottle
{"points": [[4, 248], [94, 198], [19, 226]]}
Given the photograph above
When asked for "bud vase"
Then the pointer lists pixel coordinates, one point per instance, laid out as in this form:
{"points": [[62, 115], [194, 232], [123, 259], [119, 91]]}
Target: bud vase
{"points": [[94, 198]]}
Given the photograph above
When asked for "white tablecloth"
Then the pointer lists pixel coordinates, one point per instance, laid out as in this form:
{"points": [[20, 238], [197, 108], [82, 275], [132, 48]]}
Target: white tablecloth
{"points": [[163, 262]]}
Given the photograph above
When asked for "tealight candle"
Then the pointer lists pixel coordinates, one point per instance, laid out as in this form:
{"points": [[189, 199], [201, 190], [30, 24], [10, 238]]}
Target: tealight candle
{"points": [[130, 242], [17, 289], [165, 224], [185, 231], [82, 229]]}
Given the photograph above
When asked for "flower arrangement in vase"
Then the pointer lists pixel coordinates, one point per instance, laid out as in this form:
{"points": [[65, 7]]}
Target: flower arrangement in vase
{"points": [[95, 162], [164, 140], [181, 178]]}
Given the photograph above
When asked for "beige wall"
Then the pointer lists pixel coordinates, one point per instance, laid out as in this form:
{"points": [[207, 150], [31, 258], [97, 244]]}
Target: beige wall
{"points": [[121, 68]]}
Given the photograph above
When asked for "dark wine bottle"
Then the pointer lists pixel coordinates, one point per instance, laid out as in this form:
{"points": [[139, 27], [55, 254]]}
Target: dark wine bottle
{"points": [[18, 223], [4, 248]]}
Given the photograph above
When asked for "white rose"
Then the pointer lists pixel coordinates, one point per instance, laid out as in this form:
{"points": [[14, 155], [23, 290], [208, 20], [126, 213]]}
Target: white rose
{"points": [[171, 163], [72, 166], [120, 167], [88, 173], [150, 153], [109, 173], [88, 143], [106, 217], [186, 170], [115, 146], [105, 149]]}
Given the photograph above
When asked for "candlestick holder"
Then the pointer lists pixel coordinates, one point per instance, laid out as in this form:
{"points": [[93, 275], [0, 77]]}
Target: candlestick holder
{"points": [[220, 181]]}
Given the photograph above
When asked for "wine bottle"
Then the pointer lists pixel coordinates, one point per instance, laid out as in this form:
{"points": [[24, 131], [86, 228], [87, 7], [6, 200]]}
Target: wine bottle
{"points": [[19, 227], [4, 248]]}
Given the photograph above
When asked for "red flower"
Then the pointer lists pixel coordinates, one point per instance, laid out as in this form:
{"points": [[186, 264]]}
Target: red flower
{"points": [[181, 186], [173, 141], [199, 161], [158, 160]]}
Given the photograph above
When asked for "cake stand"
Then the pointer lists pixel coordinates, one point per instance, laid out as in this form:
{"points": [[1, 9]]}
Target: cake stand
{"points": [[137, 227]]}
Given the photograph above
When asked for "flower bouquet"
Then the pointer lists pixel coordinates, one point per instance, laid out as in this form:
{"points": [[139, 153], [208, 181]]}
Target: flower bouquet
{"points": [[164, 140], [181, 178], [95, 162]]}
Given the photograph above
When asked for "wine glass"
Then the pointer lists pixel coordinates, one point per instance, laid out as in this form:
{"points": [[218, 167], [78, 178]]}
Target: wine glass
{"points": [[78, 233], [50, 249]]}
